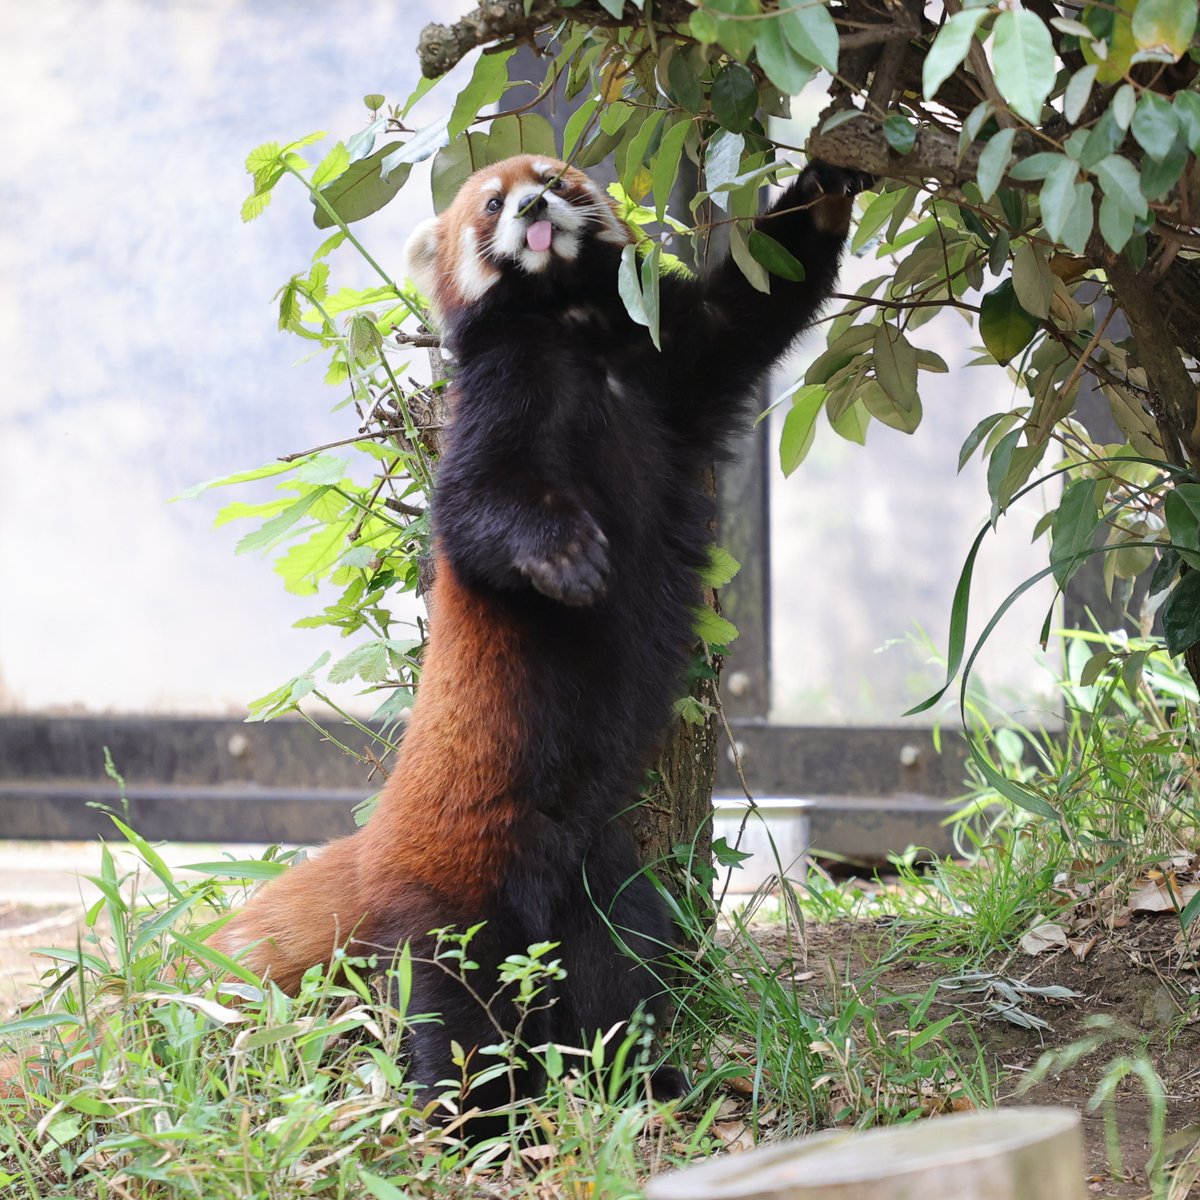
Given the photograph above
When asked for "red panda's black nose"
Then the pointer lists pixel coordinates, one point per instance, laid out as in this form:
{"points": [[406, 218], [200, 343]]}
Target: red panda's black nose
{"points": [[532, 205]]}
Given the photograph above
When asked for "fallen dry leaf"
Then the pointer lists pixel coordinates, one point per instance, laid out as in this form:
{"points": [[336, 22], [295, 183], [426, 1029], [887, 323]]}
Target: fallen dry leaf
{"points": [[736, 1135], [1160, 893], [1044, 936], [1082, 947]]}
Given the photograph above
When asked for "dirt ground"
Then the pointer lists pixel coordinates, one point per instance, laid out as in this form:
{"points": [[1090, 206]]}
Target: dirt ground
{"points": [[1132, 975], [1138, 975]]}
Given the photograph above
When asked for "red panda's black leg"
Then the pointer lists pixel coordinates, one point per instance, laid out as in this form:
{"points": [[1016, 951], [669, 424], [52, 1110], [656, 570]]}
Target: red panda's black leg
{"points": [[615, 942]]}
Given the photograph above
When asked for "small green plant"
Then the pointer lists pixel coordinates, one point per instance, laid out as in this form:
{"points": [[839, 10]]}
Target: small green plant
{"points": [[153, 1063], [1168, 1179]]}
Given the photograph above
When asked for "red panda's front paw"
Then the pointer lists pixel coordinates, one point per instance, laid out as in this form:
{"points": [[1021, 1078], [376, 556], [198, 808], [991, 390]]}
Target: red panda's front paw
{"points": [[575, 572]]}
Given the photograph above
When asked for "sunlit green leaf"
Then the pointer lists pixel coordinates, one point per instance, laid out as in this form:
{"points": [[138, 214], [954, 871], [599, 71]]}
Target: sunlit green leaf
{"points": [[993, 162], [811, 30], [1164, 27], [361, 190], [1154, 123], [1023, 62], [488, 81], [949, 49], [799, 426], [1073, 529]]}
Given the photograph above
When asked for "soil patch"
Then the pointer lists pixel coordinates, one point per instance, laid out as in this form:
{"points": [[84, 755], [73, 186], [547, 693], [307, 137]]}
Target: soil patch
{"points": [[1133, 976]]}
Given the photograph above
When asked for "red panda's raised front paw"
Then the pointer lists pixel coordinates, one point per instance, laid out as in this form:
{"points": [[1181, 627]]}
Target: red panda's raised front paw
{"points": [[830, 191], [574, 571]]}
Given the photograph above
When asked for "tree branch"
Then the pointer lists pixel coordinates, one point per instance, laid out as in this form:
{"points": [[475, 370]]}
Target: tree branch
{"points": [[440, 47], [1173, 392]]}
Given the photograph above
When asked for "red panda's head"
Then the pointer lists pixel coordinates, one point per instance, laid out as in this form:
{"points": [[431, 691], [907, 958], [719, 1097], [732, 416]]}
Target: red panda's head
{"points": [[524, 214]]}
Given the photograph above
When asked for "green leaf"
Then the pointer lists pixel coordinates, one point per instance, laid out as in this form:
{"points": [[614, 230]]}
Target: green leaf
{"points": [[900, 133], [368, 662], [275, 528], [323, 469], [635, 152], [721, 567], [722, 162], [736, 36], [734, 97], [777, 258], [1023, 62], [813, 34], [1163, 29], [904, 417], [1078, 92], [780, 60], [576, 124], [1187, 112], [1181, 614], [1081, 217], [895, 363], [331, 166], [1119, 178], [1165, 571], [455, 164], [487, 85], [703, 27], [380, 1188], [666, 165], [264, 472], [993, 162], [420, 146], [1033, 281], [614, 8], [1159, 175], [1116, 221], [977, 435], [1182, 512], [255, 205], [949, 49], [246, 868], [1073, 529], [1154, 123], [651, 268], [1057, 194], [362, 189], [739, 250], [799, 426], [1124, 105], [852, 424], [520, 133], [683, 82], [629, 286], [711, 628], [1006, 328]]}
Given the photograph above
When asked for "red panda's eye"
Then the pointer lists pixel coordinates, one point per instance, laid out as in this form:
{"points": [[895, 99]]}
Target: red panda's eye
{"points": [[555, 184], [495, 204]]}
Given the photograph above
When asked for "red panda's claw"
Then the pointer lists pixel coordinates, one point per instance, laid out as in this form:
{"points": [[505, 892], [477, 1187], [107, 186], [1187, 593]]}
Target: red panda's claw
{"points": [[575, 573]]}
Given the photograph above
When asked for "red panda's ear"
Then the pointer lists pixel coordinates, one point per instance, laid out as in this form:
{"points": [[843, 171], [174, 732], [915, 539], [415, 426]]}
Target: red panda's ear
{"points": [[421, 255]]}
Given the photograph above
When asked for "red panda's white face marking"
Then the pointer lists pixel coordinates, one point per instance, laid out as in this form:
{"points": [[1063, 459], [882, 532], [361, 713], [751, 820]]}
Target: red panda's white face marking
{"points": [[522, 214]]}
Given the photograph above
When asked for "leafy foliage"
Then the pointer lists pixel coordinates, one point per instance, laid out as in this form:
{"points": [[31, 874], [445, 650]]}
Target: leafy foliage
{"points": [[1032, 169]]}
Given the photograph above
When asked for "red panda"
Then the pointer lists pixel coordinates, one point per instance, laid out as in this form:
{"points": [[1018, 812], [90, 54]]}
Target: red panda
{"points": [[570, 525]]}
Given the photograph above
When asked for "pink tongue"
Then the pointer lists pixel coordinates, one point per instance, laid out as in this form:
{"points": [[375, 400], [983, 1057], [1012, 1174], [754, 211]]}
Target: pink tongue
{"points": [[538, 235]]}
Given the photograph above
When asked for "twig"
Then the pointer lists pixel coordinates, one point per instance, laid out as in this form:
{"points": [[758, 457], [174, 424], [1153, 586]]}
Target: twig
{"points": [[349, 441]]}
